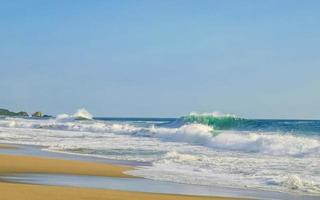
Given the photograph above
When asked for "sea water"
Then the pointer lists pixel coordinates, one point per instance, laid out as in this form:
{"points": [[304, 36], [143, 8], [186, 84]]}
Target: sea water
{"points": [[203, 149]]}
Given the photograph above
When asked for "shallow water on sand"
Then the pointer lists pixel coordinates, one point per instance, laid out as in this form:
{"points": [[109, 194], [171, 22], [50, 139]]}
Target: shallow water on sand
{"points": [[146, 185]]}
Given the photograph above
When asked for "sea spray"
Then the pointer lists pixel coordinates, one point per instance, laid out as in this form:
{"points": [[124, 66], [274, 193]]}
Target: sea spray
{"points": [[81, 114]]}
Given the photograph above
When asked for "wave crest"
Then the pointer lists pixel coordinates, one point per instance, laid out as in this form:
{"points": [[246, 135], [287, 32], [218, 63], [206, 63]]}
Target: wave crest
{"points": [[217, 120], [81, 114]]}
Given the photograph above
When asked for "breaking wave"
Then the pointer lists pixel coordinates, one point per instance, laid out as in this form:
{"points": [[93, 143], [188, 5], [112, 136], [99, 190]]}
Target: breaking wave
{"points": [[255, 142], [81, 114], [270, 143], [216, 120]]}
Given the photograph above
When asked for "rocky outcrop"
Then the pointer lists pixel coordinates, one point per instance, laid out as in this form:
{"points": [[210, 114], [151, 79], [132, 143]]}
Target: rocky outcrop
{"points": [[6, 112], [37, 114], [23, 114]]}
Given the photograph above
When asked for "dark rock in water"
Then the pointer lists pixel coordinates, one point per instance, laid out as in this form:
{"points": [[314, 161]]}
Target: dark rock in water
{"points": [[23, 114], [37, 114], [47, 116]]}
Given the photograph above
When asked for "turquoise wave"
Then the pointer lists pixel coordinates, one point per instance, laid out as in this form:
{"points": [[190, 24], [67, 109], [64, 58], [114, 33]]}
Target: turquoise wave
{"points": [[227, 122], [217, 122]]}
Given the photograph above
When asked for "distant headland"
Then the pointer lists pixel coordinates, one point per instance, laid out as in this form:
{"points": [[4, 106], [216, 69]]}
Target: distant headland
{"points": [[6, 112]]}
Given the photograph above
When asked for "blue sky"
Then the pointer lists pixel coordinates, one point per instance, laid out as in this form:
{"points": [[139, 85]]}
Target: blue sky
{"points": [[256, 59]]}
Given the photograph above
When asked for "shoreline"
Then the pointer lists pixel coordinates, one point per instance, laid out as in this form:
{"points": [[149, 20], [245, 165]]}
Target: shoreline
{"points": [[22, 164], [42, 151], [132, 184], [17, 191]]}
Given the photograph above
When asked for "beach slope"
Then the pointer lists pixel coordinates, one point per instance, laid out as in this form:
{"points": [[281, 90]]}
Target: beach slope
{"points": [[16, 164]]}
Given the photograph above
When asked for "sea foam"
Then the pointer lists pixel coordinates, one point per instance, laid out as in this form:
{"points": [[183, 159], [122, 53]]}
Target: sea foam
{"points": [[270, 143], [188, 152]]}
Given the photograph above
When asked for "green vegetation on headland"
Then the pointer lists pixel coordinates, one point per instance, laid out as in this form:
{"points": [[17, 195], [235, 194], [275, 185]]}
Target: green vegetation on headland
{"points": [[6, 112]]}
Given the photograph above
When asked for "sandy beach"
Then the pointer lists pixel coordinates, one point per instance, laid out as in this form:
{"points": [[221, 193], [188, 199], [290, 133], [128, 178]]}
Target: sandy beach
{"points": [[17, 164], [10, 191], [2, 146], [13, 164]]}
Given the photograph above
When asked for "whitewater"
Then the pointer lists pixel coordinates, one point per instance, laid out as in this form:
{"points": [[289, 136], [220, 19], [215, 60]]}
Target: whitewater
{"points": [[205, 149]]}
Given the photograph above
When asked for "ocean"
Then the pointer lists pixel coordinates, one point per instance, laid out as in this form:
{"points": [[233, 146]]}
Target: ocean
{"points": [[203, 149]]}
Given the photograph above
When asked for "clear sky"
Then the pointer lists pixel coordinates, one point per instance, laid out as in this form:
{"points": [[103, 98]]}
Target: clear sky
{"points": [[256, 59]]}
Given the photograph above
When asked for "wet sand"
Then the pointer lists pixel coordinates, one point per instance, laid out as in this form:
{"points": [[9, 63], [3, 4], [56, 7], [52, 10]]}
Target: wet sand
{"points": [[14, 164], [3, 146], [17, 164], [13, 191]]}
